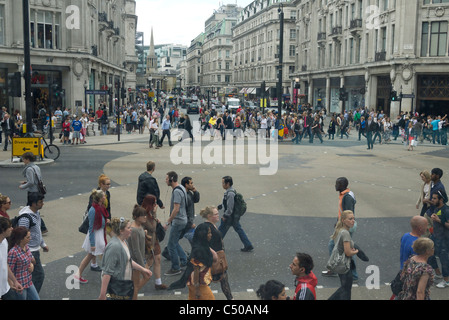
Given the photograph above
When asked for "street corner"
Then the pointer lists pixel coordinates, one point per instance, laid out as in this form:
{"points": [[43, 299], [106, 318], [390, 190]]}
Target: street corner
{"points": [[17, 163]]}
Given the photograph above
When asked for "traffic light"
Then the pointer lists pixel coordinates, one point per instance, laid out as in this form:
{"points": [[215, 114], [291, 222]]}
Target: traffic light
{"points": [[343, 94], [394, 96], [15, 85], [123, 92], [55, 91]]}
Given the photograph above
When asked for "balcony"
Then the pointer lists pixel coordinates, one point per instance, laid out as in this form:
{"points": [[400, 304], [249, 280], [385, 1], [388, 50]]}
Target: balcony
{"points": [[337, 31], [380, 56], [321, 36], [356, 24]]}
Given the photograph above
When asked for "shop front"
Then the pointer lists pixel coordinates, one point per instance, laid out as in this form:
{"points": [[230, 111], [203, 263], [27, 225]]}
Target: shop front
{"points": [[433, 94], [355, 86]]}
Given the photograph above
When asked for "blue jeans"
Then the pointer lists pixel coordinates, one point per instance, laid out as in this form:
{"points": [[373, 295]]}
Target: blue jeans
{"points": [[441, 251], [175, 250], [38, 274], [224, 227], [28, 294], [104, 129], [436, 136]]}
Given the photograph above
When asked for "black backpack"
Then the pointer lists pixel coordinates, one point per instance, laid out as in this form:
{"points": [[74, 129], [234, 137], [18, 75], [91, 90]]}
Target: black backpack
{"points": [[15, 220]]}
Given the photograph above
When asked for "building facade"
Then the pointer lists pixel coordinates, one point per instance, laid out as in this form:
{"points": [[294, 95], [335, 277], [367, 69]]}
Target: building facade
{"points": [[84, 45], [217, 49], [371, 48], [256, 41]]}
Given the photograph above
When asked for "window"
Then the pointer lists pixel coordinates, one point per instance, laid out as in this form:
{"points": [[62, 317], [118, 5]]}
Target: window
{"points": [[292, 51], [292, 34], [45, 29], [438, 39], [2, 25], [425, 39]]}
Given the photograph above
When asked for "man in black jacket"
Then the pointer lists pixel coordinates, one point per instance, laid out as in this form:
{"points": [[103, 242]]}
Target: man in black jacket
{"points": [[370, 129], [147, 184], [8, 128]]}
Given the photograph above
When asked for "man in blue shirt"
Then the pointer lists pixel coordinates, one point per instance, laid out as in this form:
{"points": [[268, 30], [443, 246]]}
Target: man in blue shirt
{"points": [[76, 129], [166, 131], [436, 130], [418, 225]]}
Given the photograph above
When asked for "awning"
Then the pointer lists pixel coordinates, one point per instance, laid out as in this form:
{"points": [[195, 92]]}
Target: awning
{"points": [[251, 91], [244, 90]]}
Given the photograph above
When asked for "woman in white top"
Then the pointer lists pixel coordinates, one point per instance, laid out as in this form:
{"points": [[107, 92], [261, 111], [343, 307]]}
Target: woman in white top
{"points": [[85, 122], [424, 196], [154, 133]]}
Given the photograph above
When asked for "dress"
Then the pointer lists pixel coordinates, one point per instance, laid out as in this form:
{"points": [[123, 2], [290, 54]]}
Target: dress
{"points": [[97, 239], [410, 276]]}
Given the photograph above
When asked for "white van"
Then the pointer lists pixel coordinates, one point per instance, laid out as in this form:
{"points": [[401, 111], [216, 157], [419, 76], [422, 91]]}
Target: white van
{"points": [[233, 104]]}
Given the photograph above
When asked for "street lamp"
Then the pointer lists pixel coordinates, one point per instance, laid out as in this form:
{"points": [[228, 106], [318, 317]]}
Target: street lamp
{"points": [[281, 60], [86, 110]]}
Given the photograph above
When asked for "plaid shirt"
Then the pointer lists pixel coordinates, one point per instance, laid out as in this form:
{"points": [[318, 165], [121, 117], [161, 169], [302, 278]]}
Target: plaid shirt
{"points": [[19, 261]]}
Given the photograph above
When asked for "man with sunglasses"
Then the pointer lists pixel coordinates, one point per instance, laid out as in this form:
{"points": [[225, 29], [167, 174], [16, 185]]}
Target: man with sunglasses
{"points": [[440, 236]]}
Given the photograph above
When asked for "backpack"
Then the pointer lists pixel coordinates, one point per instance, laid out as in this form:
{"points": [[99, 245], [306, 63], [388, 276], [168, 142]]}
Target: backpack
{"points": [[239, 205], [15, 220]]}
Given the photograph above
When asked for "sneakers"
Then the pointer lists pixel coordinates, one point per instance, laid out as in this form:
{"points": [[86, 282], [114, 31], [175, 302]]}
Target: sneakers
{"points": [[173, 272], [247, 249], [81, 279], [443, 284], [97, 268]]}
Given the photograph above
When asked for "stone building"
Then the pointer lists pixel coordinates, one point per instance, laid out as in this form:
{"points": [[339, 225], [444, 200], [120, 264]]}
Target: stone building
{"points": [[84, 45], [256, 40], [371, 48]]}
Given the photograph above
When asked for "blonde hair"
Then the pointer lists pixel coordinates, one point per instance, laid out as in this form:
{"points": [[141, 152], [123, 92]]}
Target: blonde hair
{"points": [[207, 211], [97, 195], [340, 225], [118, 224], [3, 199], [426, 175], [422, 245]]}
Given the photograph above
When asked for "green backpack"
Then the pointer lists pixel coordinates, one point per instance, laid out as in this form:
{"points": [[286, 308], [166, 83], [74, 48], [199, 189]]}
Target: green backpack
{"points": [[239, 205]]}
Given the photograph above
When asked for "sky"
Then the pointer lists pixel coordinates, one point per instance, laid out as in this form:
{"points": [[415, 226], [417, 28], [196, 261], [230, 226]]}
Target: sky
{"points": [[176, 21]]}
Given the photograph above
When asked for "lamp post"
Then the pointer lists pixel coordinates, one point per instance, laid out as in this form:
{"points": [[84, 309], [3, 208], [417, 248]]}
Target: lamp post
{"points": [[27, 67], [281, 60]]}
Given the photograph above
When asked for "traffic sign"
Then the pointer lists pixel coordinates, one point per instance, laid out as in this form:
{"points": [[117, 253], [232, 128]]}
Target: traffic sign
{"points": [[23, 145]]}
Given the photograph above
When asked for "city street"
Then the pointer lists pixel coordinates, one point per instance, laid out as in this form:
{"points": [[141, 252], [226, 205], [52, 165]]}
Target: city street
{"points": [[292, 211]]}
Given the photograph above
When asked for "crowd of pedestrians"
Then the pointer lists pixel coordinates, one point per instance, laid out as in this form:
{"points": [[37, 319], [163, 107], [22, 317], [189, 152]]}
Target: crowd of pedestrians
{"points": [[130, 247]]}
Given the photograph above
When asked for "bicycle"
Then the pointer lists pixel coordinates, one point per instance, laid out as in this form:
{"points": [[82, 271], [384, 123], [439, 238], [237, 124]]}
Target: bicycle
{"points": [[51, 151]]}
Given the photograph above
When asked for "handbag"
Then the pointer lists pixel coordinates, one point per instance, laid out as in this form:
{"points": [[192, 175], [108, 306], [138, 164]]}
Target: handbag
{"points": [[120, 289], [338, 263], [221, 265], [160, 231], [397, 284], [41, 188], [84, 227]]}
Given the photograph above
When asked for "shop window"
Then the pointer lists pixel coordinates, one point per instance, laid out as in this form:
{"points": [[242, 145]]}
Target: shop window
{"points": [[45, 29]]}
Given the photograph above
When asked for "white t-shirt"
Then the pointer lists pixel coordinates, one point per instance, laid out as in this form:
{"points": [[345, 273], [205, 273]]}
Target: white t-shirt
{"points": [[4, 285]]}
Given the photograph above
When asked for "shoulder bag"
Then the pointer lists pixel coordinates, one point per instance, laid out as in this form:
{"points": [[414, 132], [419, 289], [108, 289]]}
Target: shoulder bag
{"points": [[40, 185], [338, 263], [84, 227], [120, 289]]}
